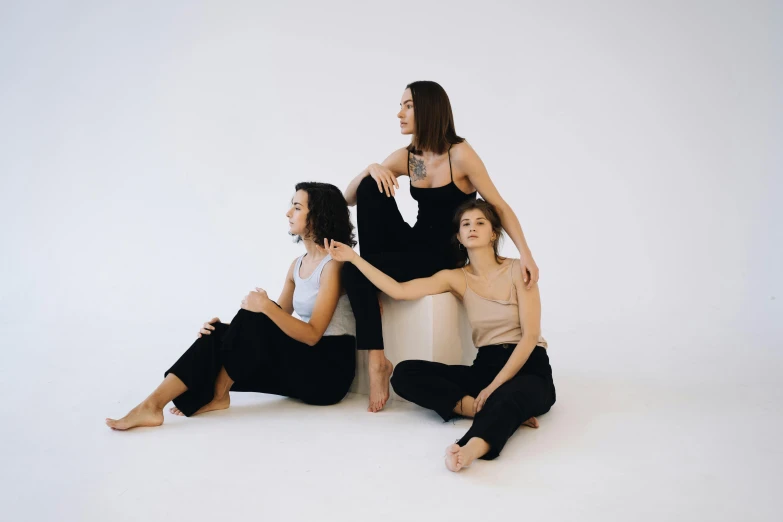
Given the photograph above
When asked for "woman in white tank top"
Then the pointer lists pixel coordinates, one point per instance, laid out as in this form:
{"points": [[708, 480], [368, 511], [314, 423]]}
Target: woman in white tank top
{"points": [[266, 349], [510, 382]]}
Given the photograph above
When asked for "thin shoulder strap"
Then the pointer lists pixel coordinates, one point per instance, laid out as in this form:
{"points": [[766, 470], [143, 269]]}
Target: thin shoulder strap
{"points": [[512, 273], [466, 279], [297, 266], [409, 163], [450, 171], [320, 268]]}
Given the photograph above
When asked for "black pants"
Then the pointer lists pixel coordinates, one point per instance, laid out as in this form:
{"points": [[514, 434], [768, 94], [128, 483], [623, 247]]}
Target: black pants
{"points": [[259, 357], [440, 387], [394, 247]]}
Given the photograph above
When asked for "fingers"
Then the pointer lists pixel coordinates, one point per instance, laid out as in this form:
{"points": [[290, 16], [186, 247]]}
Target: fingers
{"points": [[391, 182], [479, 402], [531, 277], [207, 328]]}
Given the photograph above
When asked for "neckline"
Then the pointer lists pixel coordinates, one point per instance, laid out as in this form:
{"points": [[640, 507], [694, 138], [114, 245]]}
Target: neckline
{"points": [[444, 186], [299, 267], [501, 301], [451, 175]]}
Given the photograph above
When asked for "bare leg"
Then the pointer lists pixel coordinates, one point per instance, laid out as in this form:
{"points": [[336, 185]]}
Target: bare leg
{"points": [[465, 408], [461, 457], [150, 411], [220, 401], [380, 370]]}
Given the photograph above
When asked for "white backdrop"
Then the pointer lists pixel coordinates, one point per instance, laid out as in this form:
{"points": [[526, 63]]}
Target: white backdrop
{"points": [[148, 152]]}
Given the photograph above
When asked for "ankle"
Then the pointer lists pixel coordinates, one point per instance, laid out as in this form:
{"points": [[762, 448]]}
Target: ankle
{"points": [[378, 362], [151, 404], [476, 447]]}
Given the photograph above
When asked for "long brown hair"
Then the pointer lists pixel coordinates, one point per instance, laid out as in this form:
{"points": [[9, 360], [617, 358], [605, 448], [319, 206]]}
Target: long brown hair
{"points": [[433, 119], [494, 220]]}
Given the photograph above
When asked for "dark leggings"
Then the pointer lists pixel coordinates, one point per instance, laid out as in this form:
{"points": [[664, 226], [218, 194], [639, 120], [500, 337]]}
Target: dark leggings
{"points": [[440, 387], [395, 248], [259, 357]]}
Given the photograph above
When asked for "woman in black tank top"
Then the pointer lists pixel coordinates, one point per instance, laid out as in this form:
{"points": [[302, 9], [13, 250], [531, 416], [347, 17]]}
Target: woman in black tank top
{"points": [[409, 252]]}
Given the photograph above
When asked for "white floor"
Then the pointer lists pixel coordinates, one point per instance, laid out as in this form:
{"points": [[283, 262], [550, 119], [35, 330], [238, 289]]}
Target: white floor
{"points": [[686, 434]]}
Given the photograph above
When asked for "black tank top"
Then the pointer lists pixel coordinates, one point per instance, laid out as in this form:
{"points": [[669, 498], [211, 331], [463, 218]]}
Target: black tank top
{"points": [[436, 209]]}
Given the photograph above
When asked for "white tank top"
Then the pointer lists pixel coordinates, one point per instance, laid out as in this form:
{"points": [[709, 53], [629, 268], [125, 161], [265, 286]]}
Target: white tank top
{"points": [[305, 293]]}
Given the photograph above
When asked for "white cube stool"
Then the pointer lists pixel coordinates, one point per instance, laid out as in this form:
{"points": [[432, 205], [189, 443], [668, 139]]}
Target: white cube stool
{"points": [[434, 328]]}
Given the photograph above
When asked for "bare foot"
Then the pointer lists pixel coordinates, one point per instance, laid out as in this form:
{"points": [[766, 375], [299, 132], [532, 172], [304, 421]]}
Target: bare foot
{"points": [[142, 415], [532, 422], [458, 457], [221, 403], [380, 372]]}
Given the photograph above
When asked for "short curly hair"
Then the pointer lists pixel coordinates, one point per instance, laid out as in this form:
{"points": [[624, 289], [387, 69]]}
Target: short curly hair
{"points": [[328, 216]]}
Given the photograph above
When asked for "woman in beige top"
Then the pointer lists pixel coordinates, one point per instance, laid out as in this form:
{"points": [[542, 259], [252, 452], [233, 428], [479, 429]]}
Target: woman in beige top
{"points": [[510, 382]]}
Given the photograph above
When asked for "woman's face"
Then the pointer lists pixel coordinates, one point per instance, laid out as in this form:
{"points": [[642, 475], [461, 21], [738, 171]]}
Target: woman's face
{"points": [[407, 123], [475, 230], [297, 214]]}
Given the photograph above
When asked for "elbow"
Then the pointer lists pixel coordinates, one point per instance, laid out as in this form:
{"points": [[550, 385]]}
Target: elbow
{"points": [[314, 338], [502, 208], [399, 295], [532, 335]]}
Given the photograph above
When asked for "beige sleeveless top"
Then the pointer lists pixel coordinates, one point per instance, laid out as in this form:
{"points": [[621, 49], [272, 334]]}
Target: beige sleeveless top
{"points": [[494, 321]]}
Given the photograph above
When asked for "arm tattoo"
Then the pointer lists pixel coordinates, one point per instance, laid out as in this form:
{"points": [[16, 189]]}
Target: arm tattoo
{"points": [[417, 169]]}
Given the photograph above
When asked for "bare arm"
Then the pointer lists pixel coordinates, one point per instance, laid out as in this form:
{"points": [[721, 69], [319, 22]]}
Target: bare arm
{"points": [[530, 317], [323, 310], [385, 175], [470, 163], [439, 283], [286, 299], [443, 281]]}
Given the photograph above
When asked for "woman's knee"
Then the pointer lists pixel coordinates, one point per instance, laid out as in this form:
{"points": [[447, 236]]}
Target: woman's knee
{"points": [[403, 373], [368, 188]]}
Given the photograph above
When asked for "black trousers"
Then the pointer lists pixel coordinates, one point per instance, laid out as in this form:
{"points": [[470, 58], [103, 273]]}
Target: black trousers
{"points": [[439, 387], [390, 244], [261, 358]]}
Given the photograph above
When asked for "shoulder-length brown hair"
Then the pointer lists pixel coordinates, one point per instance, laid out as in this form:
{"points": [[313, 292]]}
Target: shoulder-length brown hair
{"points": [[433, 119], [492, 216]]}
